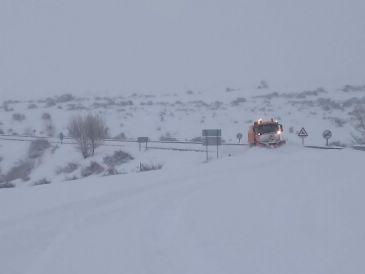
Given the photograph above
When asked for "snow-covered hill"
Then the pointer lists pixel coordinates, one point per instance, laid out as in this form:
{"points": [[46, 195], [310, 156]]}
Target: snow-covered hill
{"points": [[159, 115], [180, 116]]}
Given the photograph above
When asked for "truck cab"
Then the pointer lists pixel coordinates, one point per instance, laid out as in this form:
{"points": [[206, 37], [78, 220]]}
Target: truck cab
{"points": [[266, 133]]}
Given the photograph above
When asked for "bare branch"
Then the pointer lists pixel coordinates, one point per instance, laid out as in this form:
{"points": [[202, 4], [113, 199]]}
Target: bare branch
{"points": [[89, 132]]}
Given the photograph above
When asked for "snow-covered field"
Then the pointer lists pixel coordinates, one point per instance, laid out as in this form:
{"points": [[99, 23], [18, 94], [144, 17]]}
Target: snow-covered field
{"points": [[289, 210], [166, 117], [286, 210], [231, 109]]}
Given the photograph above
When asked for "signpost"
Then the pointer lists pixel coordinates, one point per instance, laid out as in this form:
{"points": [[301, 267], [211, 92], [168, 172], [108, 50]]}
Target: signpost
{"points": [[212, 137], [303, 133], [239, 137], [327, 134], [141, 140], [61, 137]]}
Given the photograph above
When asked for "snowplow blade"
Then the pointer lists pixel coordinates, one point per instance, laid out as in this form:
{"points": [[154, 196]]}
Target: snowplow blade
{"points": [[272, 145]]}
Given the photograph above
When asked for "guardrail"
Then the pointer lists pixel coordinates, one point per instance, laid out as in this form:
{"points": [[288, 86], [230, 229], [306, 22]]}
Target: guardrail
{"points": [[28, 138], [325, 147], [10, 137]]}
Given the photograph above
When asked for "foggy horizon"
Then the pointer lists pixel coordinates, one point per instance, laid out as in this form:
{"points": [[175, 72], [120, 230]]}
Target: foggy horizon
{"points": [[80, 47]]}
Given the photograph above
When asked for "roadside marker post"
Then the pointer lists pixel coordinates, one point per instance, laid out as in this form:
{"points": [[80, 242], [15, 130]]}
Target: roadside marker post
{"points": [[239, 137]]}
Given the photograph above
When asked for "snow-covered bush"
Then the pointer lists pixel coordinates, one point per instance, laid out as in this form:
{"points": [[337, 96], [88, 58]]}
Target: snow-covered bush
{"points": [[354, 101], [149, 167], [216, 105], [72, 178], [46, 116], [350, 88], [76, 107], [338, 122], [7, 108], [263, 85], [337, 143], [69, 168], [32, 106], [148, 103], [65, 98], [93, 168], [18, 117], [328, 104], [50, 102], [43, 181], [125, 103], [238, 101], [119, 157], [120, 136], [21, 170], [268, 96], [198, 139], [50, 130], [111, 171], [167, 138], [49, 127], [37, 148], [6, 185], [229, 89]]}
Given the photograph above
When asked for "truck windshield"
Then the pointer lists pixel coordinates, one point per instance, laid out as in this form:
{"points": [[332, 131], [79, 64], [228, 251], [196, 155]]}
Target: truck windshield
{"points": [[262, 129]]}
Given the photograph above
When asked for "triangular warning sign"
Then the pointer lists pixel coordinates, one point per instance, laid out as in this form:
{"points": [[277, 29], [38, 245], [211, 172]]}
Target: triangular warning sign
{"points": [[302, 133]]}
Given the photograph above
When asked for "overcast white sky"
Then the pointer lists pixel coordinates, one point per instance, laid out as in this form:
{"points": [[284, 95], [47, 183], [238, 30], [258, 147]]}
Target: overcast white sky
{"points": [[53, 46]]}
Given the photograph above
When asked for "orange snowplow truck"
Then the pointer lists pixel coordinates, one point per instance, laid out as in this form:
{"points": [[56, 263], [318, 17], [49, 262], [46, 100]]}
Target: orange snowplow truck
{"points": [[266, 134]]}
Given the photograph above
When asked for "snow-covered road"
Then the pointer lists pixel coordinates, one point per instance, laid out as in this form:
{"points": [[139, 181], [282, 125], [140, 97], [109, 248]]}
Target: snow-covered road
{"points": [[291, 210]]}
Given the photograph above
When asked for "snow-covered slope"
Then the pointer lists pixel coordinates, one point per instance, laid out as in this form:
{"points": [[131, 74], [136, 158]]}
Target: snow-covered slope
{"points": [[292, 210], [231, 109], [174, 116]]}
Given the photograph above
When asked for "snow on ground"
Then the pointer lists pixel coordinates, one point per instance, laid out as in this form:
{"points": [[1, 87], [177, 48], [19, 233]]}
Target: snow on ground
{"points": [[232, 110], [288, 210], [285, 210], [174, 116]]}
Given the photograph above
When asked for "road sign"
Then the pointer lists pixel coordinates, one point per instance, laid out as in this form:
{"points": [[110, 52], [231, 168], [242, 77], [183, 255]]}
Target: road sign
{"points": [[212, 137], [212, 141], [212, 132], [327, 134], [141, 140], [303, 133]]}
